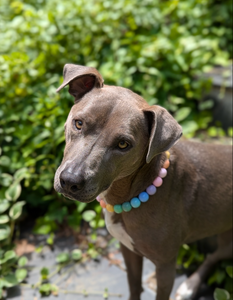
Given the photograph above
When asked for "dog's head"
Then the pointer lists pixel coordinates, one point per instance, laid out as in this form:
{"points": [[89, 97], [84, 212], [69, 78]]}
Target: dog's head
{"points": [[110, 133]]}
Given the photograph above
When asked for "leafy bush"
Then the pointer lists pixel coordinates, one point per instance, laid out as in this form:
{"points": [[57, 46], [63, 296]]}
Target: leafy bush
{"points": [[157, 48], [9, 275]]}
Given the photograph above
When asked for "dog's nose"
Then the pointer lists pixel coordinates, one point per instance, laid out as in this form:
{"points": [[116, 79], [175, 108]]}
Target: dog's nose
{"points": [[71, 182]]}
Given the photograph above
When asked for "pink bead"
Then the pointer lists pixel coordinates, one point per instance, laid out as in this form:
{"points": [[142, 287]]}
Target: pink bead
{"points": [[158, 181], [98, 198], [102, 204], [163, 173]]}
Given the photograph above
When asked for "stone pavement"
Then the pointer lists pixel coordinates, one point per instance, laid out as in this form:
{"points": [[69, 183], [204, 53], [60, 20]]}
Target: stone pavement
{"points": [[92, 276]]}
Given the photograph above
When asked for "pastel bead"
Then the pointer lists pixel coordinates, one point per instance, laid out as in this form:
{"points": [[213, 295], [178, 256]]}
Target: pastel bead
{"points": [[126, 206], [98, 198], [109, 208], [166, 164], [118, 208], [102, 204], [135, 202], [143, 197], [151, 190], [168, 154], [158, 181], [163, 173]]}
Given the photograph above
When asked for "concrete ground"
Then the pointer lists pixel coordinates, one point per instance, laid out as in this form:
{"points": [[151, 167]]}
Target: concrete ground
{"points": [[93, 277]]}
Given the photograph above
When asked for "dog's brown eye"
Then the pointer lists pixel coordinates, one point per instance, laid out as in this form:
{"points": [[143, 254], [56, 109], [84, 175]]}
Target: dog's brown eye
{"points": [[123, 145], [78, 124]]}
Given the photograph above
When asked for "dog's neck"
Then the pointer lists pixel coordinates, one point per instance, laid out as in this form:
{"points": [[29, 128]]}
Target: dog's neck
{"points": [[128, 187]]}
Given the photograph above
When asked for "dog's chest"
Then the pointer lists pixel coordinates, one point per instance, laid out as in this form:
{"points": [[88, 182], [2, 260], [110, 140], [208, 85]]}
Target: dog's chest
{"points": [[118, 231]]}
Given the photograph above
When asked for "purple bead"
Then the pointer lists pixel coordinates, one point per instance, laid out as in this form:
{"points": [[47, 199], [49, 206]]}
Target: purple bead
{"points": [[163, 173], [151, 190], [143, 197], [98, 198]]}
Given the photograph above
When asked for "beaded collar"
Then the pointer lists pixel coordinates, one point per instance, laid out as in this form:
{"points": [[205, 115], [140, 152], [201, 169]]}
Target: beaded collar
{"points": [[142, 197]]}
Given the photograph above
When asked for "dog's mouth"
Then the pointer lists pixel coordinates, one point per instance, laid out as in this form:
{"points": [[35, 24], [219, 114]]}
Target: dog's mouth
{"points": [[79, 199], [85, 199]]}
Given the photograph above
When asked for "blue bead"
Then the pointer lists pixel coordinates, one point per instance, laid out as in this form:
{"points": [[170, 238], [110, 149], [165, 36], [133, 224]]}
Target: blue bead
{"points": [[135, 202], [126, 206], [118, 208], [143, 197]]}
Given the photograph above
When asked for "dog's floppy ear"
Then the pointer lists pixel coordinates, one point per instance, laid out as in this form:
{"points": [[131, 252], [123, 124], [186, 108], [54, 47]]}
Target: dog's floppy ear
{"points": [[164, 130], [81, 80]]}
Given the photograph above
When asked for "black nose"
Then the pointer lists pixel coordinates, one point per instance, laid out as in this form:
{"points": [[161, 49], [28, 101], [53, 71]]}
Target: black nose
{"points": [[71, 182]]}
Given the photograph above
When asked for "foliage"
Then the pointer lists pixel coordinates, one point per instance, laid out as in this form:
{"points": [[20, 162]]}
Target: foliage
{"points": [[12, 270], [189, 255], [157, 48], [222, 275]]}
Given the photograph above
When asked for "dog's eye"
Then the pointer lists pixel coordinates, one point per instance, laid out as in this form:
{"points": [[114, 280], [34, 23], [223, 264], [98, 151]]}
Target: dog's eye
{"points": [[123, 145], [78, 124]]}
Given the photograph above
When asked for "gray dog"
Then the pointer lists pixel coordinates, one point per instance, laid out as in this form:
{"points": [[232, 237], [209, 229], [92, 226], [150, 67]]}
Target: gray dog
{"points": [[116, 147]]}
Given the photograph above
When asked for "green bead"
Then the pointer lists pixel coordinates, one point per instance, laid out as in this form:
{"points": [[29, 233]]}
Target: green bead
{"points": [[126, 206], [118, 208]]}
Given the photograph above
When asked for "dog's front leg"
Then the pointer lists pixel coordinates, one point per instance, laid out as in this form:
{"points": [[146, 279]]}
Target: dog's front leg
{"points": [[165, 275], [134, 272]]}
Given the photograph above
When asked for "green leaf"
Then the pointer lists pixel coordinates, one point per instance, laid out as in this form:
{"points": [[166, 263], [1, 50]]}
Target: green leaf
{"points": [[76, 254], [10, 254], [189, 127], [230, 131], [105, 294], [50, 239], [176, 100], [44, 272], [45, 289], [9, 280], [4, 219], [229, 270], [21, 174], [97, 223], [5, 161], [44, 229], [5, 179], [4, 232], [4, 205], [21, 274], [93, 253], [81, 206], [16, 210], [22, 261], [208, 104], [221, 294], [39, 249], [182, 113], [62, 258], [13, 192], [89, 215], [54, 289]]}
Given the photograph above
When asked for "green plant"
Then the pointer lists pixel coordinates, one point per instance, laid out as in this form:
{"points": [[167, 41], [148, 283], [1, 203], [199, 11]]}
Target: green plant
{"points": [[223, 277], [159, 49], [10, 210], [12, 270]]}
